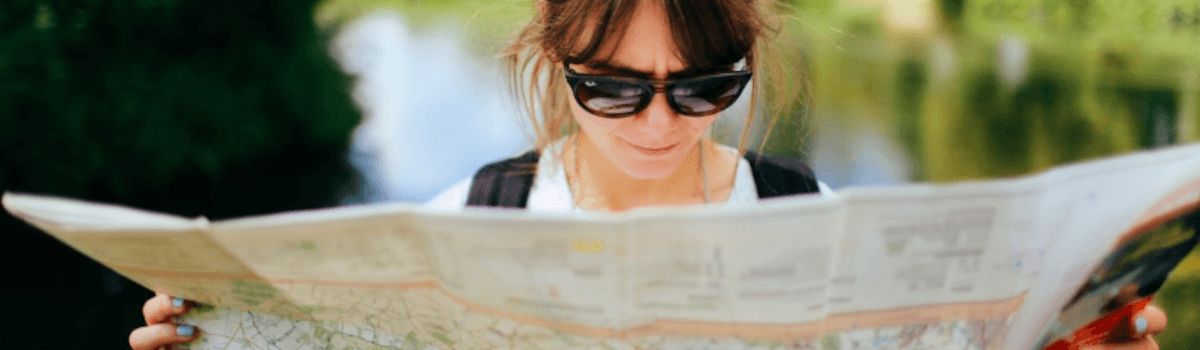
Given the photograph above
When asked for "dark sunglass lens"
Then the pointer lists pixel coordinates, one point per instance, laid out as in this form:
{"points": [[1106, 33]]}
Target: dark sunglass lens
{"points": [[706, 96], [610, 98]]}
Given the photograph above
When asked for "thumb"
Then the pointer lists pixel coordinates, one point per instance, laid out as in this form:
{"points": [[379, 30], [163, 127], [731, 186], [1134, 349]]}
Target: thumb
{"points": [[1150, 321], [155, 336]]}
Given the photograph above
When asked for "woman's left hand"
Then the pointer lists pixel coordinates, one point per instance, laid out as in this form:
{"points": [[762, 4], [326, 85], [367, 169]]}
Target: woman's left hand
{"points": [[1140, 331]]}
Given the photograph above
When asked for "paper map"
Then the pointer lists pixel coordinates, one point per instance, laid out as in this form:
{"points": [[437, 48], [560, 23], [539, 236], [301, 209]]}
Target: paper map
{"points": [[1000, 264]]}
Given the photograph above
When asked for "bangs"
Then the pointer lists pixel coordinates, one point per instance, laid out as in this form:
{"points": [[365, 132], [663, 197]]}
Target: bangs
{"points": [[708, 34], [713, 34]]}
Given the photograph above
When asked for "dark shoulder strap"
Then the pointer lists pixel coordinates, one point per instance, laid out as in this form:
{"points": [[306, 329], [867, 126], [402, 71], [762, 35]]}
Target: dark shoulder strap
{"points": [[776, 176], [504, 184]]}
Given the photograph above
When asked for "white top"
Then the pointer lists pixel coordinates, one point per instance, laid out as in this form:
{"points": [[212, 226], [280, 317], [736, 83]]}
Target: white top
{"points": [[551, 193]]}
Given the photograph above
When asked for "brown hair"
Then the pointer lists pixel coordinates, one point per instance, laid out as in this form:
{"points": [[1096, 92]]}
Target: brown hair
{"points": [[708, 34]]}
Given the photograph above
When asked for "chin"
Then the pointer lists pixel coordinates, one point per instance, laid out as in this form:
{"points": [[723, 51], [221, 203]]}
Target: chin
{"points": [[650, 170]]}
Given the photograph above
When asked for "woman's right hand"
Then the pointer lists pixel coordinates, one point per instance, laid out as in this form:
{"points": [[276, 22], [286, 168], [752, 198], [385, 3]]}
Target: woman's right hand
{"points": [[160, 330]]}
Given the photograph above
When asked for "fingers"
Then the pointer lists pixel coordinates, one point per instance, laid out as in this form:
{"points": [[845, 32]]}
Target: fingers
{"points": [[1142, 328], [161, 308], [1146, 343], [1150, 321], [155, 336]]}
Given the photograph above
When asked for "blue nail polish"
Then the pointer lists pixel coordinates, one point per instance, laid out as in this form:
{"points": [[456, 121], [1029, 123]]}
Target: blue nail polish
{"points": [[185, 330], [177, 302], [1140, 325]]}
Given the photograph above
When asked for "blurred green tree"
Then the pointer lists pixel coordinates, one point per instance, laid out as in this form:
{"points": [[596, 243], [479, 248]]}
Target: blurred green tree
{"points": [[222, 109]]}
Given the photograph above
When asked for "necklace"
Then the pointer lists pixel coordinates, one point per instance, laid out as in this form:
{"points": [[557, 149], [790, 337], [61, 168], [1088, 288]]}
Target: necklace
{"points": [[577, 191]]}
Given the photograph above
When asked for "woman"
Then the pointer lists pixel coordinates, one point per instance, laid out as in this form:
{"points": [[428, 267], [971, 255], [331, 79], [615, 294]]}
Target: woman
{"points": [[629, 90]]}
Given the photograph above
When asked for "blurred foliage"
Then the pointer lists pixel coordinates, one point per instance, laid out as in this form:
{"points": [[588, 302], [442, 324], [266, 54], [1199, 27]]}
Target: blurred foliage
{"points": [[222, 109], [148, 102], [1178, 297], [489, 24], [1003, 88]]}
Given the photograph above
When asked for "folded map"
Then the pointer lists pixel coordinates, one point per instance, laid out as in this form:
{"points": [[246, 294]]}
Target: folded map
{"points": [[1011, 263]]}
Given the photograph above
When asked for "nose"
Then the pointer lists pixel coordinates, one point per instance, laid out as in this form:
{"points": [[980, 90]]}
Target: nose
{"points": [[657, 119]]}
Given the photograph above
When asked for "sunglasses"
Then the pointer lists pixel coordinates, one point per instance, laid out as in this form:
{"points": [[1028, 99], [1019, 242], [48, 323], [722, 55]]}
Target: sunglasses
{"points": [[619, 97]]}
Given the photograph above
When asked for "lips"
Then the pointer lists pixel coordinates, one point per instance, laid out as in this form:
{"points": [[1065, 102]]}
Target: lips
{"points": [[652, 151]]}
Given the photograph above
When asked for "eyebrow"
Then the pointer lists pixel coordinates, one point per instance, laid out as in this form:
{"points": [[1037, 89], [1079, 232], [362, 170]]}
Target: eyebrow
{"points": [[634, 73]]}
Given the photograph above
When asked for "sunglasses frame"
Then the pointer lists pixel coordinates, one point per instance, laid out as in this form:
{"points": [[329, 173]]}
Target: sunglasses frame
{"points": [[653, 86]]}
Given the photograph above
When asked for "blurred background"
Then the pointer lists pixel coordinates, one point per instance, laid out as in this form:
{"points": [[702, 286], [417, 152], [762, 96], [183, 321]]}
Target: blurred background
{"points": [[231, 108]]}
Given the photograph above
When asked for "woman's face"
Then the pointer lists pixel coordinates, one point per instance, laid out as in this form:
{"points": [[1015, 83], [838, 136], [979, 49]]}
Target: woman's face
{"points": [[655, 142]]}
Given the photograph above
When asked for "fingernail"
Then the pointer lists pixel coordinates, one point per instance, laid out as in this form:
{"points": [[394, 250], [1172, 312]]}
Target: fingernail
{"points": [[185, 330], [177, 302], [1140, 325]]}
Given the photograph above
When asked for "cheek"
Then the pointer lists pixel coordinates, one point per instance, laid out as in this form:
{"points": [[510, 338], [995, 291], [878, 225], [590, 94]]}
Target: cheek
{"points": [[594, 126], [601, 131], [699, 125]]}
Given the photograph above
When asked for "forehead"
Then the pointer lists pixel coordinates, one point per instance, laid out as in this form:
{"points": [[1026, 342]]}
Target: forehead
{"points": [[645, 45], [700, 35]]}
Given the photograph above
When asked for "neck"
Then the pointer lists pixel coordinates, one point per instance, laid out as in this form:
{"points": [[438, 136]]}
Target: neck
{"points": [[599, 184]]}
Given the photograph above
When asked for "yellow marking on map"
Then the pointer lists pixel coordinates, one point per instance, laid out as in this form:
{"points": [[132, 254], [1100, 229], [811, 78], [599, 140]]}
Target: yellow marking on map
{"points": [[583, 246]]}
